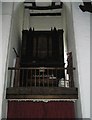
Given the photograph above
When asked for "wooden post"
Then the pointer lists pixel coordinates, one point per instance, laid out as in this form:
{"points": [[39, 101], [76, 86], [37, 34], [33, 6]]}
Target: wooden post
{"points": [[70, 71], [17, 73]]}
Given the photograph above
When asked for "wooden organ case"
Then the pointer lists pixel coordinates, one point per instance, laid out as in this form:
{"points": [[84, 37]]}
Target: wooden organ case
{"points": [[43, 49]]}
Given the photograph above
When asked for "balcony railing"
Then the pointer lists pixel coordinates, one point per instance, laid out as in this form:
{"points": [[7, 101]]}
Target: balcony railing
{"points": [[46, 82], [40, 77]]}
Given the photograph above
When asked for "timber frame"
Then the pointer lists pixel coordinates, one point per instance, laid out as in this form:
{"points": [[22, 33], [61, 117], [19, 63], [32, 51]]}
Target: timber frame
{"points": [[34, 7]]}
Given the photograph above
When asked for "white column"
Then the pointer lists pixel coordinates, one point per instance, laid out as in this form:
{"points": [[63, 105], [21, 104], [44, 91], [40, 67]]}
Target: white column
{"points": [[26, 19]]}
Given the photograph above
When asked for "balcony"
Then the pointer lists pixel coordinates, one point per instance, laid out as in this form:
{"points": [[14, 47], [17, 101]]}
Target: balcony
{"points": [[41, 83]]}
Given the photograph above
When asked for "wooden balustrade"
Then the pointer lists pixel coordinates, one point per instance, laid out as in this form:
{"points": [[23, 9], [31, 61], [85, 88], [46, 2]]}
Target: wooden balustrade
{"points": [[40, 76], [42, 82]]}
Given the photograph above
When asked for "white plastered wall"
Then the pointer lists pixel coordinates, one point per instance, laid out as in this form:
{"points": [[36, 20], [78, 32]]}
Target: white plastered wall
{"points": [[1, 90], [26, 23], [12, 22], [78, 35], [45, 23], [82, 40], [6, 22], [90, 64]]}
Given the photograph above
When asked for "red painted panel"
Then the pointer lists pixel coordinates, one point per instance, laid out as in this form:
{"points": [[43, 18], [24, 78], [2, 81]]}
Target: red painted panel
{"points": [[40, 109]]}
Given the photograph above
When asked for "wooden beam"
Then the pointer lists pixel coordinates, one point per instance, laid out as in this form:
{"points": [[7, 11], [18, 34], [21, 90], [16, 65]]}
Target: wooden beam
{"points": [[41, 97], [30, 68], [42, 93], [27, 2], [53, 3], [45, 14], [33, 4], [87, 7], [42, 90], [44, 7]]}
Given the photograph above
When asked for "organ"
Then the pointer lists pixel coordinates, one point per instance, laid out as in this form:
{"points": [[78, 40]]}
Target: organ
{"points": [[43, 49]]}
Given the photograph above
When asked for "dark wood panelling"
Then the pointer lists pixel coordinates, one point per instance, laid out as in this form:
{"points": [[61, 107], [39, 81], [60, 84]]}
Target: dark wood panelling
{"points": [[42, 92], [42, 97], [43, 56]]}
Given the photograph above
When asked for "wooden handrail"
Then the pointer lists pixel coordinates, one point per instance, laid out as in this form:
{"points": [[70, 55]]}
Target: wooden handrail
{"points": [[35, 76], [43, 76], [37, 68]]}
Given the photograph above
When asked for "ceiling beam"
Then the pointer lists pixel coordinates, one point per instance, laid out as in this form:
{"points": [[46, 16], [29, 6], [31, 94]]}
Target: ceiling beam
{"points": [[33, 4], [45, 14], [28, 2], [53, 3], [44, 7], [87, 7]]}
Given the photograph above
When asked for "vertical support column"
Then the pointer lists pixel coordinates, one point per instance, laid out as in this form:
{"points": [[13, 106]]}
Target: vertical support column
{"points": [[35, 77], [37, 53], [70, 70], [17, 73], [26, 24], [31, 78], [48, 75], [48, 46]]}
